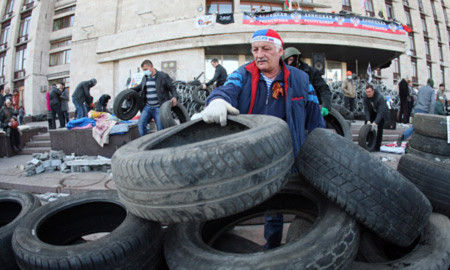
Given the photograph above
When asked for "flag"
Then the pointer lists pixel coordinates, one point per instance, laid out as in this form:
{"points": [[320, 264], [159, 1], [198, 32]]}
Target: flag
{"points": [[369, 72], [204, 21], [288, 4], [225, 18], [407, 29]]}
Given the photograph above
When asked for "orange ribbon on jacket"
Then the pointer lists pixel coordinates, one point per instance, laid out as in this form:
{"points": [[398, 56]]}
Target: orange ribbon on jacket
{"points": [[277, 90]]}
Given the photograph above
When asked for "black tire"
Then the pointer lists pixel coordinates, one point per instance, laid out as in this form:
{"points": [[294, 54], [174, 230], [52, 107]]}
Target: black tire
{"points": [[334, 120], [197, 97], [346, 113], [232, 243], [15, 206], [198, 171], [424, 155], [375, 194], [51, 236], [431, 125], [300, 225], [430, 251], [430, 145], [331, 243], [432, 178], [367, 138], [172, 116], [127, 104]]}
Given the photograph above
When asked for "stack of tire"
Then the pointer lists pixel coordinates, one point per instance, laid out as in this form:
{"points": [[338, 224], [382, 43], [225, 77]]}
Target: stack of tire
{"points": [[427, 164], [350, 210]]}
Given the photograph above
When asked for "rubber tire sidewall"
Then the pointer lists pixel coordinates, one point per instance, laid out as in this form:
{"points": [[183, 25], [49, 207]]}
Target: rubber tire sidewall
{"points": [[28, 203], [430, 145], [431, 125], [119, 99], [364, 133], [134, 244], [166, 117], [338, 122]]}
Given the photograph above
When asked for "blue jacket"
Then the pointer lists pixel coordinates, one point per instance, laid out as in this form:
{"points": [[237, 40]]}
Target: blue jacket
{"points": [[298, 105]]}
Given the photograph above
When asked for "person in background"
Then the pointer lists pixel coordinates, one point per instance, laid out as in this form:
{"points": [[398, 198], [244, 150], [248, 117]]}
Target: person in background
{"points": [[49, 109], [220, 75], [412, 99], [10, 124], [375, 112], [425, 104], [21, 115], [8, 94], [349, 90], [441, 96], [102, 103], [292, 57], [2, 98], [268, 86], [82, 98], [155, 88], [64, 102], [55, 105], [403, 92]]}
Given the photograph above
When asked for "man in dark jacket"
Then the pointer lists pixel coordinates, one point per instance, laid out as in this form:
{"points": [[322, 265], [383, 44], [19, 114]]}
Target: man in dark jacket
{"points": [[403, 92], [220, 76], [2, 98], [375, 112], [7, 113], [55, 104], [155, 88], [102, 103], [292, 57], [82, 96]]}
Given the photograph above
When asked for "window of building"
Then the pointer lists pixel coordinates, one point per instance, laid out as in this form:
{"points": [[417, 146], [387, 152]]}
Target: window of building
{"points": [[2, 67], [66, 9], [429, 71], [405, 2], [65, 80], [28, 4], [63, 22], [60, 58], [9, 6], [414, 78], [23, 29], [408, 18], [412, 45], [219, 6], [389, 10], [438, 32], [19, 69], [346, 5], [4, 35], [433, 8], [396, 65], [260, 6], [441, 52], [420, 5], [368, 4], [442, 74], [427, 49], [424, 25], [60, 43]]}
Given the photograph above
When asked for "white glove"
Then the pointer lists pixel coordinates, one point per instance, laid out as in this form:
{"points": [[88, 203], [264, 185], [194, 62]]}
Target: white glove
{"points": [[196, 116], [217, 110], [374, 127]]}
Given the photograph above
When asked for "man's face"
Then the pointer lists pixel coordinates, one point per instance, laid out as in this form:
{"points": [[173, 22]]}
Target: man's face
{"points": [[147, 67], [7, 91], [441, 88], [370, 92], [290, 60], [266, 55], [214, 64]]}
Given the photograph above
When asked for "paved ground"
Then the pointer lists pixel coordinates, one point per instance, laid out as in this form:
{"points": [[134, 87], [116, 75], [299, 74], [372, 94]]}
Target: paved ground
{"points": [[13, 177]]}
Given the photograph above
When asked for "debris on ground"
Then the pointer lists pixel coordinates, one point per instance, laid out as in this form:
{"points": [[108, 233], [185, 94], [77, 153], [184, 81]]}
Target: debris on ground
{"points": [[51, 196], [386, 159], [58, 161]]}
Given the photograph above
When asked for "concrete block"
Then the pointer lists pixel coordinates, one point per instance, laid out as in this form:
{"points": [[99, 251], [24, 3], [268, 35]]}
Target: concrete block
{"points": [[56, 162], [47, 164], [36, 155], [89, 162], [35, 162], [44, 156], [40, 169], [30, 173], [63, 167]]}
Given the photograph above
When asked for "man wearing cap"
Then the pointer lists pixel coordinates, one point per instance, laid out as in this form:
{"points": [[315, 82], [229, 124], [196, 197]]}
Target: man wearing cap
{"points": [[82, 96], [268, 86], [292, 57], [348, 88]]}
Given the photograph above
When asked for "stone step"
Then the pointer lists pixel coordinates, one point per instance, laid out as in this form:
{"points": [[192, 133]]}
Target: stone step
{"points": [[42, 137], [32, 150], [38, 144]]}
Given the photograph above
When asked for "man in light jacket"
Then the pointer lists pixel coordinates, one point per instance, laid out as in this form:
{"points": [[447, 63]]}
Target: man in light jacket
{"points": [[348, 88]]}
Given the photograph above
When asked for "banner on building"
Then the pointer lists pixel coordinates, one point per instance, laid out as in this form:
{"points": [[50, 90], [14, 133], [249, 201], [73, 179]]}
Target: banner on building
{"points": [[225, 18], [135, 79], [204, 21], [323, 19]]}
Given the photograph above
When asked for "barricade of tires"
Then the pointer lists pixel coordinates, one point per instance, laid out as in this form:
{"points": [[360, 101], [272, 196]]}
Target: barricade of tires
{"points": [[346, 209]]}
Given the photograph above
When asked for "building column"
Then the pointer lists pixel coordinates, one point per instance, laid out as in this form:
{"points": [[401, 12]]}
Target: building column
{"points": [[237, 6]]}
